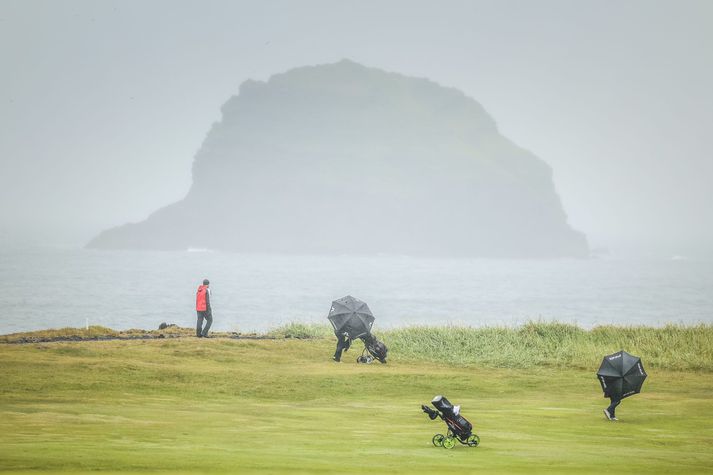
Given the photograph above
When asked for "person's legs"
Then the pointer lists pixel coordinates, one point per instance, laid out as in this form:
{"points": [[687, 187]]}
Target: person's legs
{"points": [[338, 352], [199, 325], [208, 323], [342, 344], [612, 407]]}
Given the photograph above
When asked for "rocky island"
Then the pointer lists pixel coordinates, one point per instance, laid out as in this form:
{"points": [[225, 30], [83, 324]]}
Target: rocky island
{"points": [[345, 159]]}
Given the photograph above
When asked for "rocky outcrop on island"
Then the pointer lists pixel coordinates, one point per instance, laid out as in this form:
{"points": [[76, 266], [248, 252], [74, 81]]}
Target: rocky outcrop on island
{"points": [[342, 158]]}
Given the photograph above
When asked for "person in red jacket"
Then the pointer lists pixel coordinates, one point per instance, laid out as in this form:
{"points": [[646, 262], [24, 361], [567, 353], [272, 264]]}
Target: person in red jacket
{"points": [[203, 309]]}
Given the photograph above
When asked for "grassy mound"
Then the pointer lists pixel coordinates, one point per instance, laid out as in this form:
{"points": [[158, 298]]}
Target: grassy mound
{"points": [[101, 333], [560, 345]]}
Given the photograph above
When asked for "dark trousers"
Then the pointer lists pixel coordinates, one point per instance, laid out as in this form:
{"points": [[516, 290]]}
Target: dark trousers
{"points": [[343, 343], [208, 322], [612, 407]]}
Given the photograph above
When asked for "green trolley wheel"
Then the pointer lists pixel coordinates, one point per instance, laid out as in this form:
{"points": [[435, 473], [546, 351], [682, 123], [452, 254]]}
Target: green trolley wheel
{"points": [[473, 440], [438, 440], [449, 442]]}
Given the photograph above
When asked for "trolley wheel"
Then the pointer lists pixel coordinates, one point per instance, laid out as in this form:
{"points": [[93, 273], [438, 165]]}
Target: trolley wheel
{"points": [[438, 440], [449, 442], [473, 440]]}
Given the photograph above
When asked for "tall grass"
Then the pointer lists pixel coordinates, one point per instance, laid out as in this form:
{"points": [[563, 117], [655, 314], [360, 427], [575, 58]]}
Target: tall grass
{"points": [[539, 344], [302, 331], [555, 344]]}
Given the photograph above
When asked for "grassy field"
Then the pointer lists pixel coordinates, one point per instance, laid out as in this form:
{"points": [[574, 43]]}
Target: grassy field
{"points": [[241, 406]]}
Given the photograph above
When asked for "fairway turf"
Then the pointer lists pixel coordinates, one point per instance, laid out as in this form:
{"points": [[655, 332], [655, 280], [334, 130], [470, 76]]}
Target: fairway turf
{"points": [[282, 406]]}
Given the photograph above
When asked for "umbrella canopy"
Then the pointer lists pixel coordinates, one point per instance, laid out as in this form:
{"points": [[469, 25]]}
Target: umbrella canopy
{"points": [[621, 375], [352, 316]]}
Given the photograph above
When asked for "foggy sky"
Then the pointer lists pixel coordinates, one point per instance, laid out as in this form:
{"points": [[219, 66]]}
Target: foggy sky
{"points": [[103, 104]]}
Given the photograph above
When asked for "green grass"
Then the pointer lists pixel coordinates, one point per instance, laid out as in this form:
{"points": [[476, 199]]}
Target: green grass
{"points": [[302, 330], [534, 344], [241, 406], [557, 345]]}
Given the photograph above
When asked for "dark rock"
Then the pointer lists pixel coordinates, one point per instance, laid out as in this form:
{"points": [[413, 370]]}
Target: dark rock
{"points": [[341, 158]]}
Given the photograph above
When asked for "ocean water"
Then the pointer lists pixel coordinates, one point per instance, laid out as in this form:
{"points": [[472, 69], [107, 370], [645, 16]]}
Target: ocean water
{"points": [[44, 288]]}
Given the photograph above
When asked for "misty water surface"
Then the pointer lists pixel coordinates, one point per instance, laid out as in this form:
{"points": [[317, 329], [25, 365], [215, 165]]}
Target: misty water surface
{"points": [[53, 288]]}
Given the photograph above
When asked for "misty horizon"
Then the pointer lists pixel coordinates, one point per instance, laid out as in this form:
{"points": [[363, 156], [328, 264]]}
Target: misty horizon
{"points": [[100, 127]]}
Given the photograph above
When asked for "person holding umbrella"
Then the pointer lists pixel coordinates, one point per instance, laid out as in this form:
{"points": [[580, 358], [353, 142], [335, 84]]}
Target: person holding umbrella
{"points": [[621, 375], [351, 319]]}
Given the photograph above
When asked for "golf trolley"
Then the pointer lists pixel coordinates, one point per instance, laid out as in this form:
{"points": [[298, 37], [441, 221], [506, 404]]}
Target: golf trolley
{"points": [[373, 350], [459, 429], [365, 357]]}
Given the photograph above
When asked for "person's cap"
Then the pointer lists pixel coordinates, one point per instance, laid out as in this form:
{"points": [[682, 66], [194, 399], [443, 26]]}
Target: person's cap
{"points": [[206, 282]]}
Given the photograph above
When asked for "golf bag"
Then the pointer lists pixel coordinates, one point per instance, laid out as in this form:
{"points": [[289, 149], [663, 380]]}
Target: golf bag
{"points": [[373, 349], [459, 428]]}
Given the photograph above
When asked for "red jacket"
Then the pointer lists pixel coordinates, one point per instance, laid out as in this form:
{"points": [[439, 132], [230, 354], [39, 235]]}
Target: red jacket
{"points": [[202, 298]]}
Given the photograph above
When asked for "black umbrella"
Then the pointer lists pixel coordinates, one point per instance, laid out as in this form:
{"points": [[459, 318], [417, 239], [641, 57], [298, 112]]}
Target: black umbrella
{"points": [[352, 316], [621, 375]]}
